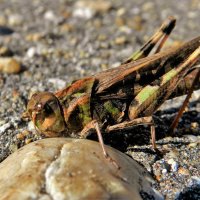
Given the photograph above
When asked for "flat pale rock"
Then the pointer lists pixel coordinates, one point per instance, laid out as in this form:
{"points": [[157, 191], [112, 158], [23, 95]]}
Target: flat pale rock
{"points": [[61, 168]]}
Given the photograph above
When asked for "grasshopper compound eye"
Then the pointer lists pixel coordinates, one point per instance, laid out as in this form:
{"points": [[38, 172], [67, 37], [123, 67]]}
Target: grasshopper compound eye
{"points": [[45, 111], [48, 109]]}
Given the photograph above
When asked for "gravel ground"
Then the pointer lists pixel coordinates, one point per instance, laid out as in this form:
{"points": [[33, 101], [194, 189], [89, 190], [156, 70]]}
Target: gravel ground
{"points": [[59, 41]]}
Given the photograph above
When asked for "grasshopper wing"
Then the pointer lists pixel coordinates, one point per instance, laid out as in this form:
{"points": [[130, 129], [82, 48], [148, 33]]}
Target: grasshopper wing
{"points": [[129, 79]]}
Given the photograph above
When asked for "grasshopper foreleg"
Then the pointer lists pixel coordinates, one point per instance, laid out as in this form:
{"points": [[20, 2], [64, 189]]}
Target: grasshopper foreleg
{"points": [[94, 125]]}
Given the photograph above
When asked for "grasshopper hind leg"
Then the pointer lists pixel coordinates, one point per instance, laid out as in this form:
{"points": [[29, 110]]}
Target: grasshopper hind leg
{"points": [[161, 35], [185, 103], [153, 95]]}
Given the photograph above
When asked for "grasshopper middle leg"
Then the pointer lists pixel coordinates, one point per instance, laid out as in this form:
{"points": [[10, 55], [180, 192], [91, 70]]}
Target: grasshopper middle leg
{"points": [[136, 122]]}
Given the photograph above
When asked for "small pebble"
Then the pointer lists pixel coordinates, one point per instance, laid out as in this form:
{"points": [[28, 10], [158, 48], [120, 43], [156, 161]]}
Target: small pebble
{"points": [[65, 28], [34, 37], [87, 9], [194, 125], [28, 140], [164, 171], [31, 52], [9, 65], [4, 127], [4, 51], [99, 6], [58, 83], [121, 11], [49, 15], [174, 166], [84, 13], [170, 161], [15, 20], [183, 171], [119, 21], [120, 40]]}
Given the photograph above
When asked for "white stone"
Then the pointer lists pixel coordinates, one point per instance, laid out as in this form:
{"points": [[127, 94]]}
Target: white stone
{"points": [[4, 127], [58, 83], [31, 52], [174, 166], [49, 15], [85, 13], [60, 168], [15, 20]]}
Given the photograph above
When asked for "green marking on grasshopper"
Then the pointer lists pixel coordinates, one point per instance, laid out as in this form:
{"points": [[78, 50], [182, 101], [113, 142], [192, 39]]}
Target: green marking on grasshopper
{"points": [[84, 115], [114, 111], [137, 55], [146, 93], [78, 94], [168, 76]]}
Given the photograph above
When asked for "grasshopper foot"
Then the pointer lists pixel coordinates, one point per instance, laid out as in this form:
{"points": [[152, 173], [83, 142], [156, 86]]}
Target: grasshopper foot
{"points": [[108, 157]]}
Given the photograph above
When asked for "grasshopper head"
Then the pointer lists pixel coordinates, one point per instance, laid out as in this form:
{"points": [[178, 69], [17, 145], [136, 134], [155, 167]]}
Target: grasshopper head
{"points": [[45, 111]]}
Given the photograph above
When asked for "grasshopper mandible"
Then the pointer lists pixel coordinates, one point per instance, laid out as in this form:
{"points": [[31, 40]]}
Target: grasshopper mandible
{"points": [[121, 97]]}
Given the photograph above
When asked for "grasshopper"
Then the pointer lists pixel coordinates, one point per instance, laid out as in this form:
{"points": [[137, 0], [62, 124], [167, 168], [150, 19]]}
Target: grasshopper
{"points": [[121, 97]]}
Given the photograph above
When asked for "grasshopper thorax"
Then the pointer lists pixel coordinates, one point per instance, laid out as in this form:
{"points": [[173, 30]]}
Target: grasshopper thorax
{"points": [[45, 111]]}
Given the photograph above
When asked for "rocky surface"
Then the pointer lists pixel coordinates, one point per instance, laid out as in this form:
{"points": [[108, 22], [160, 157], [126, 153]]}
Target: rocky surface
{"points": [[60, 168], [56, 42]]}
